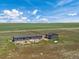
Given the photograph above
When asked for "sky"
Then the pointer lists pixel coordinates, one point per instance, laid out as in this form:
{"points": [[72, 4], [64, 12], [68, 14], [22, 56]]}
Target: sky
{"points": [[39, 11]]}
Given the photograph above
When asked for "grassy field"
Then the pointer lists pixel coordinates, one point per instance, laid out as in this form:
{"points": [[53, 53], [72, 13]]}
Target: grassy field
{"points": [[67, 48], [31, 26]]}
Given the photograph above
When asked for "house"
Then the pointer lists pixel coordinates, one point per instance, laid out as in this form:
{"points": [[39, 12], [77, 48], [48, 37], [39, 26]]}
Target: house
{"points": [[23, 39], [34, 38], [52, 36]]}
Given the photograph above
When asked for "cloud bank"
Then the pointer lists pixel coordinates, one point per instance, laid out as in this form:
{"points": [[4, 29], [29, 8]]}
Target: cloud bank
{"points": [[12, 16], [16, 16]]}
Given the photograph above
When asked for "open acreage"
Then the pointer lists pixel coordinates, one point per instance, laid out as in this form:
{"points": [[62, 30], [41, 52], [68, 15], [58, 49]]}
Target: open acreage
{"points": [[25, 26], [66, 48]]}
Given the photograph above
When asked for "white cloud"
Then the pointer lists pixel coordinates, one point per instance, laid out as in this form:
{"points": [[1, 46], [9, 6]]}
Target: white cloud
{"points": [[42, 20], [72, 14], [38, 16], [28, 20], [15, 16], [70, 21], [7, 12], [3, 21], [12, 13], [35, 12], [24, 17], [18, 21], [63, 2], [12, 16]]}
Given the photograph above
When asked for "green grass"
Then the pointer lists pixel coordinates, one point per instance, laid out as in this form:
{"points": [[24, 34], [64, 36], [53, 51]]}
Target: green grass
{"points": [[5, 45], [68, 41], [27, 26]]}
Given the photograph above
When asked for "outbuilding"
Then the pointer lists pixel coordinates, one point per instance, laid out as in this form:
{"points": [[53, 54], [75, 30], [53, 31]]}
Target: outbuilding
{"points": [[34, 38]]}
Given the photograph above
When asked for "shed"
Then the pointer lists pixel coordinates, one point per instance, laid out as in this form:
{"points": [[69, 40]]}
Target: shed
{"points": [[52, 36], [21, 38]]}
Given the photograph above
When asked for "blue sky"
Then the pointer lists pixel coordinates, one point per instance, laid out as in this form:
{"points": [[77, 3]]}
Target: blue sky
{"points": [[39, 11]]}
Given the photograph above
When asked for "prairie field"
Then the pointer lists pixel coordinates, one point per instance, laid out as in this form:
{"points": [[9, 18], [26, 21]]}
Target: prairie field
{"points": [[66, 48], [31, 26]]}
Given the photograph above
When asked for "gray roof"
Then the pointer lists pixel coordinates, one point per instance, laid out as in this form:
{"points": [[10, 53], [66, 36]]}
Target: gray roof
{"points": [[17, 38], [28, 37]]}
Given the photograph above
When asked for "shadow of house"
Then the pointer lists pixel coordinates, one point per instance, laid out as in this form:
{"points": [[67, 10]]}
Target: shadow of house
{"points": [[34, 38]]}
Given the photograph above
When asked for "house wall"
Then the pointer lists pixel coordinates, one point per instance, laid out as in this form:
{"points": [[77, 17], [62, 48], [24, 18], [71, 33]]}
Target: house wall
{"points": [[27, 41], [34, 40], [21, 42]]}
